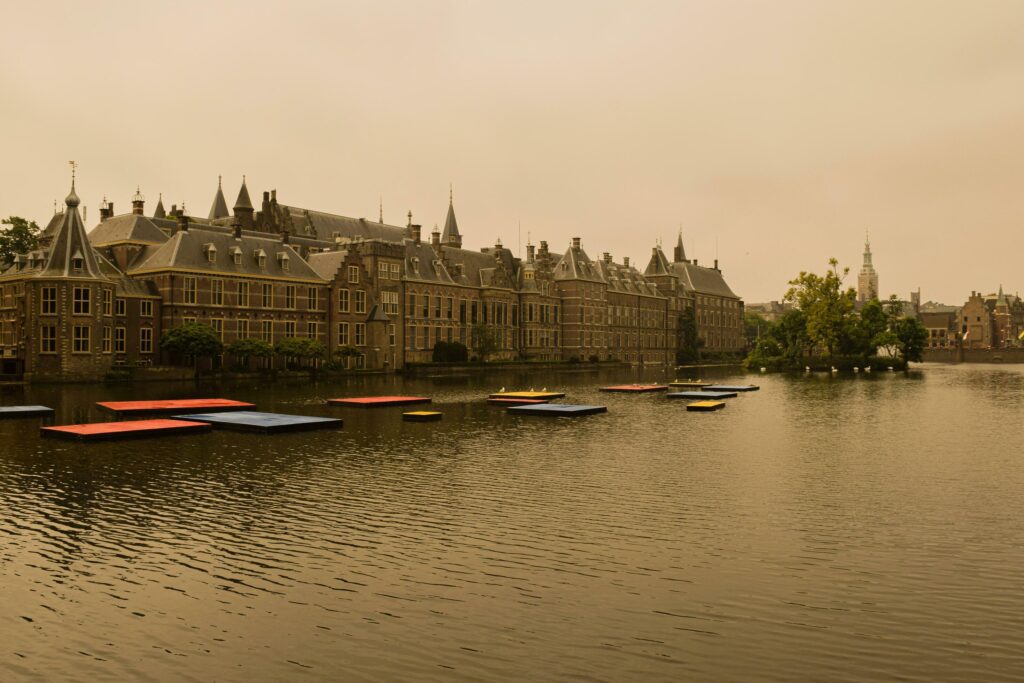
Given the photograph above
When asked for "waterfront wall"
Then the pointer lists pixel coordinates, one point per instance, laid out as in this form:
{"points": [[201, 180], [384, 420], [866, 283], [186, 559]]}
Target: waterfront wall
{"points": [[974, 355]]}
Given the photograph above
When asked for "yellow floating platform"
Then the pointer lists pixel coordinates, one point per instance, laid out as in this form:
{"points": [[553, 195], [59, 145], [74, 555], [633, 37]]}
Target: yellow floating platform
{"points": [[705, 405], [528, 394], [421, 416]]}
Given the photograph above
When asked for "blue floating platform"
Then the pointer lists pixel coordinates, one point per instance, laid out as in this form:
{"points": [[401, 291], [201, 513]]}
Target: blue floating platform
{"points": [[265, 423], [702, 395], [732, 387], [24, 411], [557, 410]]}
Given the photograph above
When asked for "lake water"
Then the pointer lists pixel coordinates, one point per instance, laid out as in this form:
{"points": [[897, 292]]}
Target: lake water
{"points": [[843, 529]]}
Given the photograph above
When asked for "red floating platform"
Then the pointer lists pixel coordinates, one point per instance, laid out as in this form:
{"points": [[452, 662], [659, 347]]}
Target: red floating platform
{"points": [[124, 430], [516, 401], [173, 406], [637, 388], [378, 401]]}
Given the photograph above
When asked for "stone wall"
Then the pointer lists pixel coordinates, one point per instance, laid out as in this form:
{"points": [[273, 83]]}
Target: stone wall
{"points": [[974, 355]]}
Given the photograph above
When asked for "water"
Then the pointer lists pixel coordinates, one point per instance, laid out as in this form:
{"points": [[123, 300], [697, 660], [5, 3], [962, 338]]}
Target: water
{"points": [[859, 528]]}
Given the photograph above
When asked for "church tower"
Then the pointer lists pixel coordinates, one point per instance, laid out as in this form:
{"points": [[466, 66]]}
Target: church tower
{"points": [[867, 279]]}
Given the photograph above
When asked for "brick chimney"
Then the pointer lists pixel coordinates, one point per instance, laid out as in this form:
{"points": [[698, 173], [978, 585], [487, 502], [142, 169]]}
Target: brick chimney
{"points": [[625, 261], [529, 253], [415, 232], [607, 257], [236, 229], [575, 243]]}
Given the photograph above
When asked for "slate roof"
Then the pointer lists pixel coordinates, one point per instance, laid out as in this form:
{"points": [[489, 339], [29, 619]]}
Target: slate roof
{"points": [[326, 263], [423, 265], [220, 206], [659, 264], [627, 280], [159, 212], [327, 227], [576, 265], [702, 280], [243, 201], [131, 228], [188, 249], [451, 226], [69, 243]]}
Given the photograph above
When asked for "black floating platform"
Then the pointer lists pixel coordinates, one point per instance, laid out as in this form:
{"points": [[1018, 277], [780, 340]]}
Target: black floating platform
{"points": [[265, 423], [24, 411], [732, 387], [702, 395], [558, 410], [421, 416]]}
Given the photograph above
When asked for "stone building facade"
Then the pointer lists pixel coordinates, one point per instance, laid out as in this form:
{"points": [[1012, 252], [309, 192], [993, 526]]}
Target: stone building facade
{"points": [[378, 296]]}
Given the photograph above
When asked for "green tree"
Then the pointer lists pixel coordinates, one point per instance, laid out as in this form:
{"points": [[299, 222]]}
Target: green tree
{"points": [[790, 332], [485, 341], [192, 340], [754, 325], [689, 342], [244, 349], [18, 236], [450, 352], [826, 305], [911, 337], [299, 348]]}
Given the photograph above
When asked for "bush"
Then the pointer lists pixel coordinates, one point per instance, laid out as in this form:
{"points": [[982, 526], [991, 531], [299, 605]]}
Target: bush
{"points": [[593, 358], [450, 352]]}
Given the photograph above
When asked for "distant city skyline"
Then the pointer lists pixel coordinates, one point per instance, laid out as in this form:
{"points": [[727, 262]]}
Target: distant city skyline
{"points": [[774, 134]]}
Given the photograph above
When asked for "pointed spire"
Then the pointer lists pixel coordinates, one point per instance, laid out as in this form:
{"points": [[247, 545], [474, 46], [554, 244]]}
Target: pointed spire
{"points": [[220, 206], [159, 212], [451, 235], [679, 256], [70, 254], [243, 201]]}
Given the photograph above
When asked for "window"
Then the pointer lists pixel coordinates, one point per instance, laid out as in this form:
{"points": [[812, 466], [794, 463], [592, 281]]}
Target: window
{"points": [[343, 300], [312, 299], [243, 329], [211, 253], [289, 296], [391, 334], [342, 334], [120, 334], [146, 308], [390, 301], [236, 256], [395, 272], [189, 291], [283, 259], [82, 300], [267, 330], [312, 330], [360, 301], [145, 340], [48, 339], [107, 298], [106, 340], [449, 305], [360, 334], [382, 271], [353, 274], [49, 301], [188, 321], [426, 305], [437, 307], [218, 326], [289, 329], [261, 258], [268, 296], [80, 338], [217, 292]]}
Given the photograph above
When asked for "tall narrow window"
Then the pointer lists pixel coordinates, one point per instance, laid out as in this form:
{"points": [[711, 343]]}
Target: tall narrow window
{"points": [[120, 336], [145, 340], [360, 301], [106, 339], [108, 296], [268, 296], [289, 296], [49, 301], [146, 308], [353, 274], [80, 338], [82, 301], [360, 334], [243, 329], [343, 301], [48, 339], [217, 292], [243, 294], [342, 334], [189, 290], [312, 299]]}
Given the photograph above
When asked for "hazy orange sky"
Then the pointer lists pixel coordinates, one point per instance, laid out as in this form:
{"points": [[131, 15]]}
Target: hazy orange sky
{"points": [[779, 131]]}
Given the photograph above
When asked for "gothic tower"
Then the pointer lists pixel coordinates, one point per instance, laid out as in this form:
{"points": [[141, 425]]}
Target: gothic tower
{"points": [[867, 279]]}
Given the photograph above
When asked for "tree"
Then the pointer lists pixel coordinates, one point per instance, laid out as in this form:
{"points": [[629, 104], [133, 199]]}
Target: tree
{"points": [[791, 334], [450, 352], [299, 348], [754, 325], [485, 341], [20, 237], [193, 340], [911, 337], [689, 342], [826, 305], [244, 349]]}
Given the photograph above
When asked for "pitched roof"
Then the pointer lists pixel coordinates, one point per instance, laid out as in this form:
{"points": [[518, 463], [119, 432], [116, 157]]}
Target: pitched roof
{"points": [[451, 226], [159, 212], [328, 227], [659, 265], [576, 265], [70, 244], [220, 207], [189, 250], [326, 263], [131, 228], [702, 280], [243, 201]]}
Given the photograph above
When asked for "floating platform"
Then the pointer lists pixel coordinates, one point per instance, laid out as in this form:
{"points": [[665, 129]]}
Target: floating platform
{"points": [[422, 416], [732, 387], [378, 401], [705, 405], [702, 395], [636, 388], [689, 383], [101, 431], [264, 423], [24, 411], [173, 406], [542, 395], [516, 401], [558, 410]]}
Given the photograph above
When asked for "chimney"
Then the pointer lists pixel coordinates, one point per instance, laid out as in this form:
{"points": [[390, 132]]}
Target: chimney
{"points": [[607, 257], [415, 231], [543, 248], [273, 195], [435, 238], [236, 229], [529, 253], [575, 242], [106, 210], [138, 202], [625, 261], [716, 264], [694, 261], [174, 210], [183, 222], [286, 237]]}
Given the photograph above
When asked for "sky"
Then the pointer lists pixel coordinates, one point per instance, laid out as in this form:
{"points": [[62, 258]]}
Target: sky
{"points": [[775, 134]]}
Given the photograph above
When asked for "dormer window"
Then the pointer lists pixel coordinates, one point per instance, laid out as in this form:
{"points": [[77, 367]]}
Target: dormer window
{"points": [[236, 256], [282, 260], [261, 258], [77, 261], [211, 253]]}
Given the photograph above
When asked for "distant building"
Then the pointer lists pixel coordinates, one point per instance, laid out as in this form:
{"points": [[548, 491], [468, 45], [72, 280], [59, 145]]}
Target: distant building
{"points": [[771, 311], [867, 279]]}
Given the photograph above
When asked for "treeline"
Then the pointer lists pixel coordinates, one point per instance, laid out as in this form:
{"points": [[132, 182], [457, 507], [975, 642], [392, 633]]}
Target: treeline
{"points": [[824, 327]]}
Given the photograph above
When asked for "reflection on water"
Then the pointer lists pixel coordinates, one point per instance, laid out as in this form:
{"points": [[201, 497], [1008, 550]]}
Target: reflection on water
{"points": [[821, 529]]}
